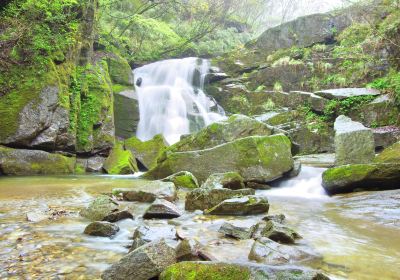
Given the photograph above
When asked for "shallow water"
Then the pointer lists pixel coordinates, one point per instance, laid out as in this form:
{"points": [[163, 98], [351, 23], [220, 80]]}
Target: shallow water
{"points": [[358, 235]]}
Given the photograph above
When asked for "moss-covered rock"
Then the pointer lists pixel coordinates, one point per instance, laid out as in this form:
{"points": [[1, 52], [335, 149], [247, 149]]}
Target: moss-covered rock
{"points": [[389, 155], [183, 179], [240, 206], [32, 162], [348, 178], [148, 191], [229, 180], [126, 112], [120, 71], [104, 229], [255, 158], [120, 161], [146, 152], [101, 207]]}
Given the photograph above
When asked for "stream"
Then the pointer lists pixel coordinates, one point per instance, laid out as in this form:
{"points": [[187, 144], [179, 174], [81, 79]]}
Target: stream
{"points": [[358, 235]]}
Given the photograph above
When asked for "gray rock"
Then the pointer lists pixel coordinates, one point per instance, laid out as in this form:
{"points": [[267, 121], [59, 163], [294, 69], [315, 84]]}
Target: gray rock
{"points": [[269, 252], [183, 179], [317, 103], [354, 143], [202, 198], [144, 263], [239, 229], [228, 180], [386, 136], [241, 206], [126, 113], [278, 232], [100, 208], [187, 250], [343, 93], [36, 217], [257, 186], [317, 160], [278, 218], [162, 209], [95, 164], [149, 191], [118, 216], [296, 169], [146, 234], [104, 229]]}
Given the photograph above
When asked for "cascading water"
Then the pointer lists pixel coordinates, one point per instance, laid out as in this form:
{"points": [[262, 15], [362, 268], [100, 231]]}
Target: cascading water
{"points": [[172, 100]]}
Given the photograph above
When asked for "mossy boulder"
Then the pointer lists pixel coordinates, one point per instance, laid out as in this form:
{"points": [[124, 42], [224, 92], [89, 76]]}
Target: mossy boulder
{"points": [[235, 127], [103, 229], [278, 232], [228, 180], [255, 158], [349, 178], [126, 112], [120, 162], [32, 162], [100, 208], [240, 206], [389, 155], [146, 152], [148, 191], [120, 71], [183, 179]]}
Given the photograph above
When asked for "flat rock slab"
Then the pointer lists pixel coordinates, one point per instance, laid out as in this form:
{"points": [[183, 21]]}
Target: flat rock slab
{"points": [[149, 191], [239, 229], [104, 229], [343, 93], [241, 206], [162, 209]]}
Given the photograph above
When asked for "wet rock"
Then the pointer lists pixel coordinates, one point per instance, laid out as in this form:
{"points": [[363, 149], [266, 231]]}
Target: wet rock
{"points": [[146, 234], [349, 178], [118, 216], [95, 164], [202, 198], [146, 152], [100, 208], [354, 143], [183, 179], [144, 263], [149, 191], [278, 232], [29, 162], [120, 162], [162, 209], [228, 180], [104, 229], [36, 217], [278, 218], [255, 158], [187, 250], [389, 155], [239, 229], [126, 113], [241, 206], [257, 186], [296, 169], [267, 251], [343, 93]]}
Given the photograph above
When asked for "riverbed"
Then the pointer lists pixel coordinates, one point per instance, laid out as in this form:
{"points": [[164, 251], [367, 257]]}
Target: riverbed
{"points": [[358, 235]]}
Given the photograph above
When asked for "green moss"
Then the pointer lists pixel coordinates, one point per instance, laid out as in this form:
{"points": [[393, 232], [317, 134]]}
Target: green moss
{"points": [[146, 152], [120, 71], [355, 172], [80, 169], [205, 271], [117, 88], [390, 154], [120, 161]]}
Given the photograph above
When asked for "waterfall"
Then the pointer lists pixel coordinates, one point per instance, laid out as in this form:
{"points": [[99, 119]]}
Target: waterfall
{"points": [[172, 100]]}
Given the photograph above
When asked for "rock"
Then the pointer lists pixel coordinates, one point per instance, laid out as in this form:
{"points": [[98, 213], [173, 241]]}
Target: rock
{"points": [[343, 93], [187, 250], [317, 103], [278, 232], [118, 216], [201, 198], [126, 113], [354, 143], [235, 127], [241, 206], [146, 234], [267, 251], [119, 70], [239, 229], [389, 155], [104, 229], [349, 178], [183, 179], [255, 158], [36, 217], [95, 164], [146, 152], [228, 180], [120, 162], [296, 169], [144, 263], [149, 191], [162, 209], [257, 186], [279, 218], [29, 162], [317, 160], [386, 136], [220, 270], [100, 208]]}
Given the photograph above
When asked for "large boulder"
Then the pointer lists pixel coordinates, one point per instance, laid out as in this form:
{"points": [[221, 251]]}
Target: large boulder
{"points": [[120, 162], [32, 162], [354, 143], [100, 208], [241, 206], [144, 263], [148, 191], [203, 198], [348, 178], [126, 113], [386, 136], [235, 127], [146, 152], [255, 158], [389, 155], [103, 229]]}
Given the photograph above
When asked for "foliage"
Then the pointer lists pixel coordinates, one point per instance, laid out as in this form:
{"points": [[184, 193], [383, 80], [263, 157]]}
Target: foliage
{"points": [[342, 107], [389, 84]]}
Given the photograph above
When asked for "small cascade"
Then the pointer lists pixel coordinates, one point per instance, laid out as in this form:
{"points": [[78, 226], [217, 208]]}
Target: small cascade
{"points": [[172, 100]]}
